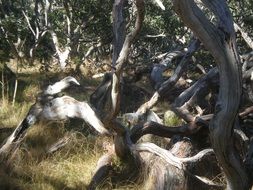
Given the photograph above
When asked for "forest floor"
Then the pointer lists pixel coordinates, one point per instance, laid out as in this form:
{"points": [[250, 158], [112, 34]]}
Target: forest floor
{"points": [[71, 167]]}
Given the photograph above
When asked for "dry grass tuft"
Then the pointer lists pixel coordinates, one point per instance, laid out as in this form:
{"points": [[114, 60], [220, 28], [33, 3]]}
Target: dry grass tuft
{"points": [[71, 167]]}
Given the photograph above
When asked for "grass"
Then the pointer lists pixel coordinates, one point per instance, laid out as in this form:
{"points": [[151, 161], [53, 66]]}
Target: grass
{"points": [[70, 167], [32, 167]]}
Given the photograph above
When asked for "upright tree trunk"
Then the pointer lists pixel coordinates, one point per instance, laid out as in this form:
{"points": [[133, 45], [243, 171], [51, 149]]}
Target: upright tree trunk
{"points": [[16, 85], [3, 84], [118, 29], [221, 44]]}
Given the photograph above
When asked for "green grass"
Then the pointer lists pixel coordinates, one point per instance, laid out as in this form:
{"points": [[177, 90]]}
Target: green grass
{"points": [[32, 168], [71, 167]]}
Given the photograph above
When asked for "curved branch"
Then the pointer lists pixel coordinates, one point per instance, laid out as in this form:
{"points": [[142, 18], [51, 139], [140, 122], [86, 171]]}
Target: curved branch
{"points": [[221, 43], [169, 157], [165, 154], [66, 107], [160, 130], [60, 86], [121, 60], [179, 162], [157, 129], [48, 108], [131, 36], [104, 166], [168, 84]]}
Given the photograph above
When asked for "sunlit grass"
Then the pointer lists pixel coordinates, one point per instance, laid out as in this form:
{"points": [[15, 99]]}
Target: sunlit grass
{"points": [[71, 167], [11, 115], [32, 167]]}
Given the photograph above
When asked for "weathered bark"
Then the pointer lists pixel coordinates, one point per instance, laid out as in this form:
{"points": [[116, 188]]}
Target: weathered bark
{"points": [[50, 108], [162, 175], [115, 92], [195, 94], [221, 43], [104, 166], [209, 80], [59, 144], [37, 33], [244, 35], [249, 161], [118, 29], [101, 96], [14, 140], [122, 138], [246, 111], [171, 172], [169, 157], [122, 142], [163, 131], [62, 53], [66, 107], [158, 69], [168, 84]]}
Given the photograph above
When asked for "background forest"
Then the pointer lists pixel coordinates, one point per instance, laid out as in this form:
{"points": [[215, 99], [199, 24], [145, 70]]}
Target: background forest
{"points": [[44, 41]]}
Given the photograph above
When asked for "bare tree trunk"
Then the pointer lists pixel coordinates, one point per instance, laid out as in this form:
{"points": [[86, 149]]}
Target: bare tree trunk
{"points": [[221, 43], [16, 86], [3, 85], [15, 92], [61, 54], [118, 29], [122, 142]]}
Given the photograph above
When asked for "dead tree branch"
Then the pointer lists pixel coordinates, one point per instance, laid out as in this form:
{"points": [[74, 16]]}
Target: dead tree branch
{"points": [[51, 108], [221, 43], [244, 35], [167, 85]]}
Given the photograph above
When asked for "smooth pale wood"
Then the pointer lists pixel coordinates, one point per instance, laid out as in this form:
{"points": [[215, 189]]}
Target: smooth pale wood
{"points": [[169, 157], [170, 171], [49, 108], [244, 35]]}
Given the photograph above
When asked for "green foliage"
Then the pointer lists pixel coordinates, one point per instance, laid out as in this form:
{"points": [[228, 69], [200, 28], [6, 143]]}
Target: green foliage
{"points": [[91, 21]]}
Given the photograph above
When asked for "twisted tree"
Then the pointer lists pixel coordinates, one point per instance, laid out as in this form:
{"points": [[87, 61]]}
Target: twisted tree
{"points": [[211, 107]]}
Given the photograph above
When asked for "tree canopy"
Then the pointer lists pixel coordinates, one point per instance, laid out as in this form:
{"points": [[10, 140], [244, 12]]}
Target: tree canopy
{"points": [[194, 55]]}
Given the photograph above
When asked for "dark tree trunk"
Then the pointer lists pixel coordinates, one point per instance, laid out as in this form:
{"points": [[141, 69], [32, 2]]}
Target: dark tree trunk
{"points": [[221, 43]]}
